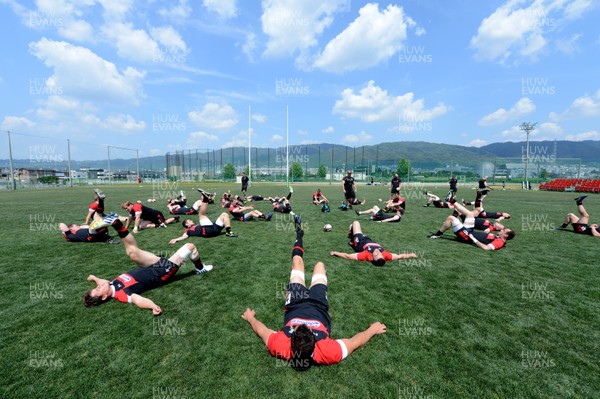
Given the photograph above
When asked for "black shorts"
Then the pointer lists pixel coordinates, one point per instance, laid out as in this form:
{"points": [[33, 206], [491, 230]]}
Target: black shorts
{"points": [[350, 194], [359, 240], [582, 228], [298, 294], [283, 209], [212, 230], [463, 235]]}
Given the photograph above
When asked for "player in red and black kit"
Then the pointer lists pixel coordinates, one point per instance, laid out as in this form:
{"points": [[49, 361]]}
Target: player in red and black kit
{"points": [[464, 231], [153, 271], [96, 208], [205, 228], [378, 215], [318, 198], [436, 201], [246, 213], [305, 339], [366, 249], [144, 217], [282, 204], [77, 233], [580, 224]]}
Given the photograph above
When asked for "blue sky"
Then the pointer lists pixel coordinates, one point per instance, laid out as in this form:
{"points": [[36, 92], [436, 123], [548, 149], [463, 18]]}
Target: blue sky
{"points": [[161, 76]]}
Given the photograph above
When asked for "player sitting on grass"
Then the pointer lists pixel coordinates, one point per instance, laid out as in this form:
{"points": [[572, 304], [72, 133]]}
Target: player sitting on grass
{"points": [[304, 339], [206, 228], [377, 215], [153, 271], [580, 224], [367, 250], [318, 198], [77, 233], [464, 231]]}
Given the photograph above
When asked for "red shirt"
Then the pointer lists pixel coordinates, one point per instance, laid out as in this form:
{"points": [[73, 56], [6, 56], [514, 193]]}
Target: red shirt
{"points": [[327, 351]]}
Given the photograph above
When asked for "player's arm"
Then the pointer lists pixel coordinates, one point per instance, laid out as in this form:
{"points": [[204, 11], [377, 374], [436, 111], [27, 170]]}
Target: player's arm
{"points": [[259, 328], [403, 256], [361, 339], [89, 216], [96, 280], [594, 228], [145, 303], [344, 255], [136, 224], [129, 219], [480, 244], [174, 240]]}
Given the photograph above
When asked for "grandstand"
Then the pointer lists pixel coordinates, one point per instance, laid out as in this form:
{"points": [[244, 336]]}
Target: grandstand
{"points": [[578, 185]]}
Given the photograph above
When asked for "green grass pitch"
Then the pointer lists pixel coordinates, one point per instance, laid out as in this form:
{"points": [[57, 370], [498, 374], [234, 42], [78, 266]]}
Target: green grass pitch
{"points": [[522, 322]]}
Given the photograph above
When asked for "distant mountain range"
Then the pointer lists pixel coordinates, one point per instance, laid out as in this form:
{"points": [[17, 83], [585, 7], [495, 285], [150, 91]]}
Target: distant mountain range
{"points": [[421, 154]]}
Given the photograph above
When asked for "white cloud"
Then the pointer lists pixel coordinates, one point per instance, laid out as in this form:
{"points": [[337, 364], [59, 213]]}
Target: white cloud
{"points": [[308, 142], [373, 104], [132, 44], [178, 12], [224, 8], [591, 135], [372, 38], [513, 30], [124, 124], [115, 9], [521, 108], [78, 31], [276, 137], [198, 139], [249, 46], [569, 46], [294, 26], [260, 118], [477, 143], [82, 74], [215, 116], [16, 122], [361, 138], [542, 131], [328, 129], [167, 36], [586, 106]]}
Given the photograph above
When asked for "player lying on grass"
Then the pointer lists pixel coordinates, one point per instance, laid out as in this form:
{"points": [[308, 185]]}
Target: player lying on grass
{"points": [[436, 201], [246, 213], [96, 208], [378, 215], [366, 249], [206, 228], [305, 339], [153, 271], [464, 231], [282, 204], [580, 224], [144, 217], [77, 233]]}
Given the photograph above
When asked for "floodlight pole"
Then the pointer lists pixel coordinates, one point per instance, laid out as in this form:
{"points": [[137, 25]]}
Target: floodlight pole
{"points": [[10, 158], [528, 128], [69, 163], [249, 146]]}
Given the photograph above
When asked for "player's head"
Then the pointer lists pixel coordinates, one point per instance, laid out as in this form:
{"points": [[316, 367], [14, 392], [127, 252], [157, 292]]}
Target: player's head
{"points": [[378, 259], [349, 173], [187, 223], [508, 234], [98, 295], [303, 346], [319, 190], [127, 205]]}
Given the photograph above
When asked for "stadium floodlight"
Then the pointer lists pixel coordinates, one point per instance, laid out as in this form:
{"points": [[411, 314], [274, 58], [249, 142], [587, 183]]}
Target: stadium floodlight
{"points": [[528, 128]]}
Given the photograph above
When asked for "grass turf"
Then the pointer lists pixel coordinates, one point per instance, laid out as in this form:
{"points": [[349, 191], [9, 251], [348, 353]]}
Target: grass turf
{"points": [[462, 323]]}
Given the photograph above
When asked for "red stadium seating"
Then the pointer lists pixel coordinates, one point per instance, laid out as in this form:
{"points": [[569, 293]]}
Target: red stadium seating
{"points": [[578, 185]]}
